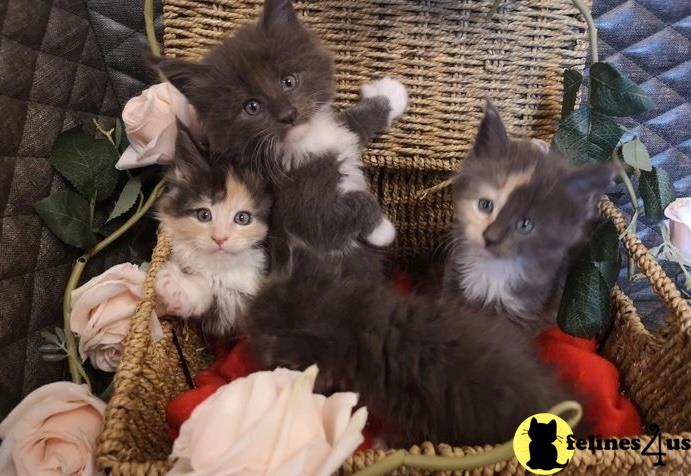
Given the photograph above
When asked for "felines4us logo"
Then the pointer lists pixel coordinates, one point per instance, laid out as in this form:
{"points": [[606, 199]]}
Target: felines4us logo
{"points": [[544, 444]]}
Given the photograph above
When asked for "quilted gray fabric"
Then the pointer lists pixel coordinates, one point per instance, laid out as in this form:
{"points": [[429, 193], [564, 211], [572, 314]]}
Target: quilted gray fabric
{"points": [[119, 29], [52, 76], [650, 40]]}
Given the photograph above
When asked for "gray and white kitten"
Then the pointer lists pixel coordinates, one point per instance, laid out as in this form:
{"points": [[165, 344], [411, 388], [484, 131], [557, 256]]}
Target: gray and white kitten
{"points": [[216, 220], [451, 370], [519, 211], [265, 97]]}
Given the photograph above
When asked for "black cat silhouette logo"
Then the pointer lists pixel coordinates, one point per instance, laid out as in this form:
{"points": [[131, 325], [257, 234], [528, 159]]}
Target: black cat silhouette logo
{"points": [[540, 444]]}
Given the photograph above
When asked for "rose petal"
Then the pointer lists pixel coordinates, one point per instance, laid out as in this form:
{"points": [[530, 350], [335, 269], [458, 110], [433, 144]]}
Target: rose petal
{"points": [[53, 428], [269, 423]]}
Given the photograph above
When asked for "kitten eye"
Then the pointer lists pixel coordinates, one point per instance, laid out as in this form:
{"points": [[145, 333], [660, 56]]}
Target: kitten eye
{"points": [[252, 107], [204, 214], [243, 218], [485, 205], [289, 82], [524, 226]]}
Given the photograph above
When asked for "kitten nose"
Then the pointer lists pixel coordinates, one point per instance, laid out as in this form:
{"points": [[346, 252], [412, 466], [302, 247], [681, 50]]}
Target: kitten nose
{"points": [[492, 237], [288, 115], [219, 240]]}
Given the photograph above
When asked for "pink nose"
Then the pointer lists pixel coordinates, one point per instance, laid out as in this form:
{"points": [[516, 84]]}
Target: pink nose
{"points": [[219, 240]]}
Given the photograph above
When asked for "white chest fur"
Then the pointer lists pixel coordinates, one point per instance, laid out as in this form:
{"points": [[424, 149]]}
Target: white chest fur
{"points": [[191, 282], [323, 135], [489, 282]]}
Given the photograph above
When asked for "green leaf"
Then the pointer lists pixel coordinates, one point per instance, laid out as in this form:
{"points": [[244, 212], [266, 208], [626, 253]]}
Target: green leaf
{"points": [[614, 94], [584, 310], [60, 333], [128, 197], [636, 155], [657, 192], [572, 83], [50, 337], [587, 136], [604, 242], [68, 217], [87, 163], [603, 251], [49, 348]]}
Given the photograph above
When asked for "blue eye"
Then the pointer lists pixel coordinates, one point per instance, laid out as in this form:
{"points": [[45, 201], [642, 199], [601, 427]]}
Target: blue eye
{"points": [[243, 218], [524, 226], [203, 214], [485, 205]]}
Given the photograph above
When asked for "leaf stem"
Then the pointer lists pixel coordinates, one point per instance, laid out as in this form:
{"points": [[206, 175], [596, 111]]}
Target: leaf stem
{"points": [[92, 211], [633, 225], [150, 28], [592, 31], [76, 369], [107, 134]]}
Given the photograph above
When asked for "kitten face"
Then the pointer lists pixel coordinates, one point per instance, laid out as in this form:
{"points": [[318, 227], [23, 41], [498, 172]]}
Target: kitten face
{"points": [[260, 87], [211, 213], [516, 201], [519, 211]]}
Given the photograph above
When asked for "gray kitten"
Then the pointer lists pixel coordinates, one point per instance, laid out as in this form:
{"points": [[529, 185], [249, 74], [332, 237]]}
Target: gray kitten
{"points": [[265, 98], [519, 210], [452, 370]]}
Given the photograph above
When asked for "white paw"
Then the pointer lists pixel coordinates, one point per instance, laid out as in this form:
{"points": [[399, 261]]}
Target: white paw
{"points": [[383, 234], [391, 89], [179, 294]]}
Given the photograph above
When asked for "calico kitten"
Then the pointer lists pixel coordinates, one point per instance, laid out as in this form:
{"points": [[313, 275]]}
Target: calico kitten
{"points": [[265, 98], [432, 371], [519, 210], [216, 220]]}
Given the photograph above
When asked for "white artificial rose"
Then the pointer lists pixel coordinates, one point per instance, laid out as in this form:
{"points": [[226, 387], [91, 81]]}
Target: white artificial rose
{"points": [[53, 432], [151, 125], [269, 423], [679, 214], [101, 312]]}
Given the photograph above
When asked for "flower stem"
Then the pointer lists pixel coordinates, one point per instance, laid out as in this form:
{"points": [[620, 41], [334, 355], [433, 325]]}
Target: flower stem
{"points": [[150, 28], [498, 454], [592, 31], [76, 370]]}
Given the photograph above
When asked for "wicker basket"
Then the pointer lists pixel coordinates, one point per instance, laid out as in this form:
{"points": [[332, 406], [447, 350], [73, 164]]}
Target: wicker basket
{"points": [[451, 58]]}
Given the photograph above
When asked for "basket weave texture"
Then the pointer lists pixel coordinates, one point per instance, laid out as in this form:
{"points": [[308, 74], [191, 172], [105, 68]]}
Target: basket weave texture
{"points": [[449, 56], [451, 59]]}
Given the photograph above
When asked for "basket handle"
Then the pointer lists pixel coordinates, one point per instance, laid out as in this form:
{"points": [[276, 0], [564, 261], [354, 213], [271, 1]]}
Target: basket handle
{"points": [[661, 283], [131, 365], [485, 458]]}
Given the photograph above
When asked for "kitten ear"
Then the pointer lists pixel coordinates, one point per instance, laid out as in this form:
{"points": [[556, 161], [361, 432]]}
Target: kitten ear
{"points": [[277, 12], [533, 421], [180, 73], [190, 156], [590, 180], [552, 425], [492, 139]]}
